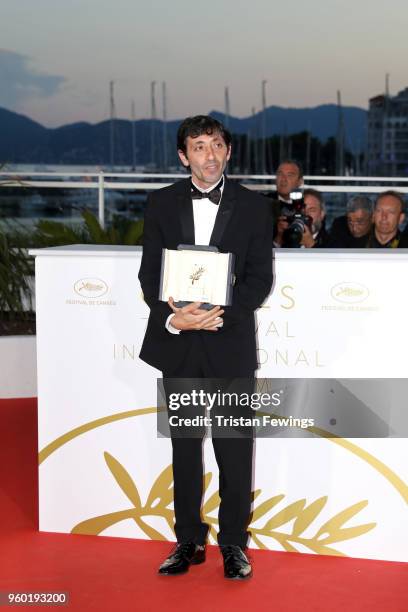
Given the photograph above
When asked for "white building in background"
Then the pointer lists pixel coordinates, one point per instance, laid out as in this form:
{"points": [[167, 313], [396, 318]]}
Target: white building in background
{"points": [[387, 153]]}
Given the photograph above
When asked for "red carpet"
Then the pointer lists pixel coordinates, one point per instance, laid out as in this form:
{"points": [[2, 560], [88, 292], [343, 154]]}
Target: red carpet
{"points": [[115, 574]]}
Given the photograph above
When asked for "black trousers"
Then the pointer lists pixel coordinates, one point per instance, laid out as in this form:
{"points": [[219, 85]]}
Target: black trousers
{"points": [[234, 458]]}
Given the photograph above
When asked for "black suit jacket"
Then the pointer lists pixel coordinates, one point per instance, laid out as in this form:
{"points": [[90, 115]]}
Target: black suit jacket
{"points": [[242, 227]]}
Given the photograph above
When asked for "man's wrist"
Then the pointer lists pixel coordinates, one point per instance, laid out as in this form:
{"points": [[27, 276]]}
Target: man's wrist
{"points": [[170, 328]]}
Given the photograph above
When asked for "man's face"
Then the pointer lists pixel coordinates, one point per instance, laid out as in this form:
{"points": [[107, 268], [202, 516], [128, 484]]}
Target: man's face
{"points": [[387, 215], [287, 179], [207, 155], [359, 222], [314, 210]]}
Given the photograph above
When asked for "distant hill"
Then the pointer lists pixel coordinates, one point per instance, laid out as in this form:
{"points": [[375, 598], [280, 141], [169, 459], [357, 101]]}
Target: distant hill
{"points": [[21, 138], [321, 121], [25, 141]]}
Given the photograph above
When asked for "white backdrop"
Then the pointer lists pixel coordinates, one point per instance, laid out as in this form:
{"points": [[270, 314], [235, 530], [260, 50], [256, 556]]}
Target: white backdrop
{"points": [[102, 467]]}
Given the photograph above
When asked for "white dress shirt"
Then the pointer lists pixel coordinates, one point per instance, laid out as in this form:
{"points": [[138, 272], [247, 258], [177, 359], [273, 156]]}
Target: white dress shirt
{"points": [[204, 213]]}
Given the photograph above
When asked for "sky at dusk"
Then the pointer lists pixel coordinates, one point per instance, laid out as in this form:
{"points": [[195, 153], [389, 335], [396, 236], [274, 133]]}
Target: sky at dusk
{"points": [[58, 56]]}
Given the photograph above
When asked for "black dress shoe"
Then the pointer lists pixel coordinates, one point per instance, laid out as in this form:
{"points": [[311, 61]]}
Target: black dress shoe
{"points": [[236, 564], [181, 557]]}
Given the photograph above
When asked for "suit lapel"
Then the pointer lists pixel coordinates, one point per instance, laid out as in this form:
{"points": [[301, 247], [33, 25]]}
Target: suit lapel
{"points": [[185, 208], [224, 214]]}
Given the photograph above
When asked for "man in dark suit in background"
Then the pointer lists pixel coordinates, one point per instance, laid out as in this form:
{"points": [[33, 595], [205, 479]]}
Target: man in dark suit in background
{"points": [[388, 215], [352, 230], [189, 342], [289, 178]]}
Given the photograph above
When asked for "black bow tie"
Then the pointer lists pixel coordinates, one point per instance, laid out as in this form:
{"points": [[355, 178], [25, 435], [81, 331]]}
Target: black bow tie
{"points": [[214, 195]]}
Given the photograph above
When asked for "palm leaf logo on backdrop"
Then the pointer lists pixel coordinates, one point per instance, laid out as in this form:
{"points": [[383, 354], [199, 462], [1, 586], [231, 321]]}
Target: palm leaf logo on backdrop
{"points": [[287, 525]]}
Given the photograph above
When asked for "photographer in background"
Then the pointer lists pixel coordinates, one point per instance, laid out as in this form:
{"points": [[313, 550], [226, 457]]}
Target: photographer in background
{"points": [[289, 178], [351, 231], [301, 223], [315, 235]]}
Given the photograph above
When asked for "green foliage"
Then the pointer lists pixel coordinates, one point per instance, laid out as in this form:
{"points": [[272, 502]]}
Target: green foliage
{"points": [[16, 271], [121, 230], [49, 233], [17, 267]]}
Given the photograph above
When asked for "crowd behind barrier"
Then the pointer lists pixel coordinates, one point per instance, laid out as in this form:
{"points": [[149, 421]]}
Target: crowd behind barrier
{"points": [[299, 216], [329, 221]]}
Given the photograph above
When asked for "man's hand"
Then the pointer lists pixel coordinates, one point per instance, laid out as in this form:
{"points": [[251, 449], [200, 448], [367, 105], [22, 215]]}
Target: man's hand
{"points": [[191, 317], [307, 239]]}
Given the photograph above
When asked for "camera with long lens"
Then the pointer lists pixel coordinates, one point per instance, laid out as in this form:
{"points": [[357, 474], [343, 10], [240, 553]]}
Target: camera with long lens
{"points": [[295, 216]]}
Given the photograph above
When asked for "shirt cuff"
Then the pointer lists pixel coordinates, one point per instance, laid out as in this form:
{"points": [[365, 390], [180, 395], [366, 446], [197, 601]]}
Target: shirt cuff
{"points": [[174, 330], [169, 327]]}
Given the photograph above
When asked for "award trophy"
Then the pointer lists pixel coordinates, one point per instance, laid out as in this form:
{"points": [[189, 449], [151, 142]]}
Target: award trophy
{"points": [[194, 273]]}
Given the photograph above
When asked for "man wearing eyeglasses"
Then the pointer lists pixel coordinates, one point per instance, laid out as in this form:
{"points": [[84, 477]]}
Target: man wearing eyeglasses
{"points": [[351, 231]]}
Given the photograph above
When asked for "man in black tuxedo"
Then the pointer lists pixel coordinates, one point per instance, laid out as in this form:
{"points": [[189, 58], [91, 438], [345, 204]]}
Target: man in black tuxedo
{"points": [[289, 178], [189, 342]]}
